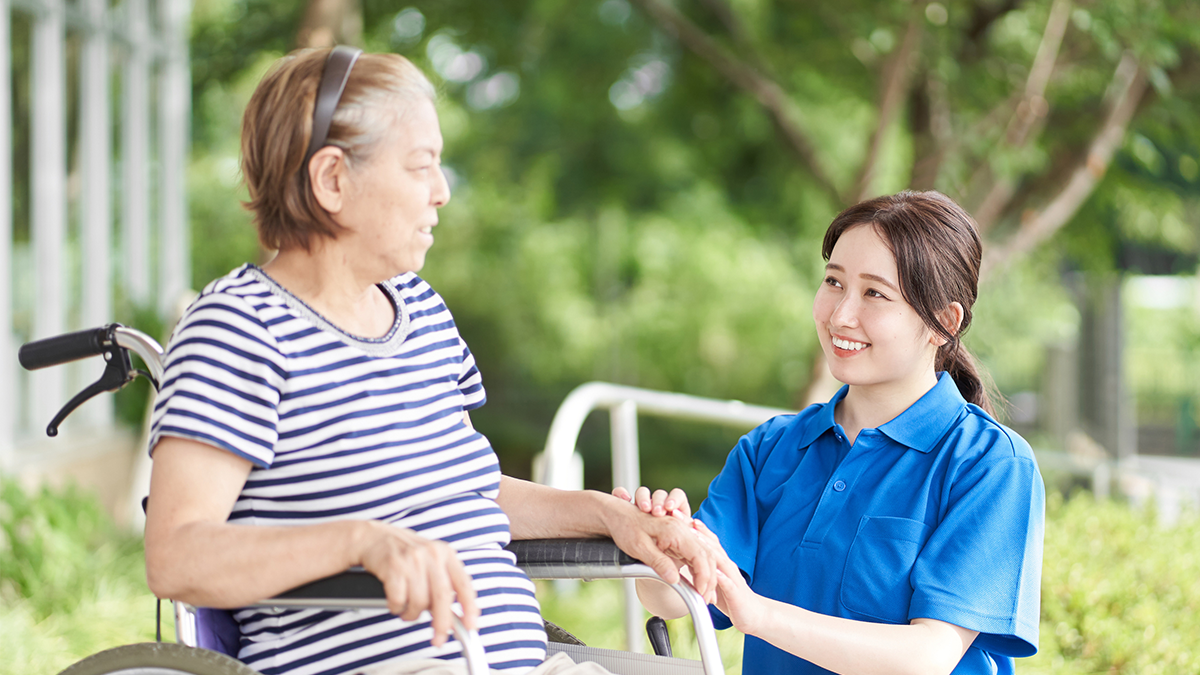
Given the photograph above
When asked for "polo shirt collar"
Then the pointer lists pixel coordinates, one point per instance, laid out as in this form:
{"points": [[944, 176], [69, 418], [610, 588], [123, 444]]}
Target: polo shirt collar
{"points": [[926, 421], [823, 421], [919, 427]]}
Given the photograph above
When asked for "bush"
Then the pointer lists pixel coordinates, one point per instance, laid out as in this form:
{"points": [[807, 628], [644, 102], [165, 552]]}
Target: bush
{"points": [[1120, 591], [71, 584]]}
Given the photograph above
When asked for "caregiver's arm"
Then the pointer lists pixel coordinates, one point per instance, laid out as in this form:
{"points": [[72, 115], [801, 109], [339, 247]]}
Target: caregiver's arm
{"points": [[921, 647]]}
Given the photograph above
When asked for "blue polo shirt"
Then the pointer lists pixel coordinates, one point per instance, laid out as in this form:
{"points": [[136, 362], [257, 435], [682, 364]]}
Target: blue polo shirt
{"points": [[937, 514]]}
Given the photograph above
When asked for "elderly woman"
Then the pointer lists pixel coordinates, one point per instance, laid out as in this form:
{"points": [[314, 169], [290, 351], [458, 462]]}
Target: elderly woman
{"points": [[313, 415]]}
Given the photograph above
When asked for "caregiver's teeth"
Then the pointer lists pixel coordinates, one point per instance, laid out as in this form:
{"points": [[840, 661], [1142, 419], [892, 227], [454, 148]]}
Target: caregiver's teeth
{"points": [[847, 344]]}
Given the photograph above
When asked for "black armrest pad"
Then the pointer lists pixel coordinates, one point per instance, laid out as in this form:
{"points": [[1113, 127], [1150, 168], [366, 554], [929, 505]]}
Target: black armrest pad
{"points": [[355, 583], [569, 551]]}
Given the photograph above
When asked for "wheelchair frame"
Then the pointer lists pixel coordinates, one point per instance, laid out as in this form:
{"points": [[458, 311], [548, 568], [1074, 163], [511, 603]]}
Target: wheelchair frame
{"points": [[586, 559]]}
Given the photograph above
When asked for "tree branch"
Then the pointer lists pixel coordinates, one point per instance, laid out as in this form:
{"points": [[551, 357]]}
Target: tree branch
{"points": [[1029, 113], [928, 165], [767, 92], [895, 79], [1128, 87], [1033, 105], [726, 16]]}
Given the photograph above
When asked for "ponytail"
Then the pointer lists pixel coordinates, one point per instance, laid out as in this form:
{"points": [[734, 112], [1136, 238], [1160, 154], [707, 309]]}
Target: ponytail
{"points": [[973, 382]]}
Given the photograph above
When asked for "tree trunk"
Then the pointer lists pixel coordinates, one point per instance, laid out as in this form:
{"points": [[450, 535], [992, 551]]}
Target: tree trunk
{"points": [[330, 22]]}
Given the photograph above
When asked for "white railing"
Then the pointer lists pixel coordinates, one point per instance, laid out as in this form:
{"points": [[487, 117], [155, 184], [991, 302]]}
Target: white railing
{"points": [[132, 60], [559, 464]]}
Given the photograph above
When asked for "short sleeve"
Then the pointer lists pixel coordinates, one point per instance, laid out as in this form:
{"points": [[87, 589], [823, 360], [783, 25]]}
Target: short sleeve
{"points": [[981, 567], [222, 381], [470, 380]]}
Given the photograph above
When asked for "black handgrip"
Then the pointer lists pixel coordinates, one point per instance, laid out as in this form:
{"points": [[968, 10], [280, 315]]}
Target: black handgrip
{"points": [[63, 348]]}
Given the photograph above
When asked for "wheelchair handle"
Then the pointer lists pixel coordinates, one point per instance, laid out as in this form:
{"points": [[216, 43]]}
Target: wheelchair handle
{"points": [[60, 349], [114, 342]]}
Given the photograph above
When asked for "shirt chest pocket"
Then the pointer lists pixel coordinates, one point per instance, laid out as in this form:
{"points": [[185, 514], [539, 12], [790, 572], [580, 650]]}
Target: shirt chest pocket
{"points": [[875, 584]]}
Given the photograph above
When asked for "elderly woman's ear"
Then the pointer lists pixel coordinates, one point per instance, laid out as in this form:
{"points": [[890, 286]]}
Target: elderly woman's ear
{"points": [[327, 173]]}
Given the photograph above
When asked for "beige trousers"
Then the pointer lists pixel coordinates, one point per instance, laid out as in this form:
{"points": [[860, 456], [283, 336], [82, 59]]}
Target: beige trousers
{"points": [[558, 664]]}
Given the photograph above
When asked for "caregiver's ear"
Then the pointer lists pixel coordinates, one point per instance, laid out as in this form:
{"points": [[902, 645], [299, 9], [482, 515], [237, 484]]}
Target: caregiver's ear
{"points": [[951, 319]]}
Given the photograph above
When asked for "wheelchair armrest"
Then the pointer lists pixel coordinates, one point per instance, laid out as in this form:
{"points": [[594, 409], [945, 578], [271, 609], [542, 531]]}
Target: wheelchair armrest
{"points": [[358, 588], [539, 553], [355, 585]]}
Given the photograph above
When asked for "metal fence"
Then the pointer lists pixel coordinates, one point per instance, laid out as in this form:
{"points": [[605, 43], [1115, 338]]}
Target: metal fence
{"points": [[93, 150]]}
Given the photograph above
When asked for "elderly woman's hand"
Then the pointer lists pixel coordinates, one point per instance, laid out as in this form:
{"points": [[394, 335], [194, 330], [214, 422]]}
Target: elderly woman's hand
{"points": [[418, 574], [665, 544], [657, 503]]}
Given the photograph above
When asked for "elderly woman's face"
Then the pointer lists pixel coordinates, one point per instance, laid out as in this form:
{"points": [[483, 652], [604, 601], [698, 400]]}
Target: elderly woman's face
{"points": [[395, 196]]}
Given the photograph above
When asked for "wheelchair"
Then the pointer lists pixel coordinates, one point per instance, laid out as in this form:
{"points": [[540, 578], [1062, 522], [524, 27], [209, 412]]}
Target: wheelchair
{"points": [[207, 639]]}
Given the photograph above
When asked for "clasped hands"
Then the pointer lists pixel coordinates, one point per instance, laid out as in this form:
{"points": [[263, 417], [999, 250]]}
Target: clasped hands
{"points": [[733, 596]]}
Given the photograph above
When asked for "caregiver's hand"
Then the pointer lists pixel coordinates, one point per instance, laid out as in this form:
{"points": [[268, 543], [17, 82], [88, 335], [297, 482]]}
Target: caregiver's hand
{"points": [[735, 598], [658, 502]]}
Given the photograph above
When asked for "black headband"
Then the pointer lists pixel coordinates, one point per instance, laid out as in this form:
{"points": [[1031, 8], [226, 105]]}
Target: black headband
{"points": [[333, 83]]}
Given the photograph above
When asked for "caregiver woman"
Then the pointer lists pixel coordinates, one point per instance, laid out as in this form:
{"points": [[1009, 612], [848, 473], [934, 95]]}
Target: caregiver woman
{"points": [[898, 527]]}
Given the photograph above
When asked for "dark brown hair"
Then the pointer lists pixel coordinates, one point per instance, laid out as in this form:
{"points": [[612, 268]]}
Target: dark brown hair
{"points": [[277, 125], [937, 250]]}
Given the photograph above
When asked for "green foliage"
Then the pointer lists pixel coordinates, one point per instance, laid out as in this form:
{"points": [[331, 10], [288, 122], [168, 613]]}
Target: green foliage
{"points": [[71, 584], [1029, 297], [1162, 362], [1120, 590], [623, 210]]}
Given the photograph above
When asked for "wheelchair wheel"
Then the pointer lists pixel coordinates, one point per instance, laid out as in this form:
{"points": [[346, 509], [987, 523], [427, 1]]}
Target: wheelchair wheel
{"points": [[158, 658]]}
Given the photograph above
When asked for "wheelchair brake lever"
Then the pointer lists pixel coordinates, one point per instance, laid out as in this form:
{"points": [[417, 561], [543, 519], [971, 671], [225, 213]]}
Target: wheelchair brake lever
{"points": [[660, 640], [117, 373]]}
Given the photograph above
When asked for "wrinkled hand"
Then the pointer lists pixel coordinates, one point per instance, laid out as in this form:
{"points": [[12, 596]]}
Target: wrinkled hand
{"points": [[665, 544], [419, 574], [657, 503], [735, 598]]}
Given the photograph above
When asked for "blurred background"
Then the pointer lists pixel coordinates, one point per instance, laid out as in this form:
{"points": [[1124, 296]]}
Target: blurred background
{"points": [[640, 188]]}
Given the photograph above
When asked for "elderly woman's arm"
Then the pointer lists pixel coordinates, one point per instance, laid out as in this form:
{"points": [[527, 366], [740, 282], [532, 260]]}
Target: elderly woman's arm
{"points": [[194, 555], [665, 544]]}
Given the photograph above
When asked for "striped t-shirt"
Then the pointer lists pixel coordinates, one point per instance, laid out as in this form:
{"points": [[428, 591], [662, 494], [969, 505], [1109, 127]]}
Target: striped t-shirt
{"points": [[339, 426]]}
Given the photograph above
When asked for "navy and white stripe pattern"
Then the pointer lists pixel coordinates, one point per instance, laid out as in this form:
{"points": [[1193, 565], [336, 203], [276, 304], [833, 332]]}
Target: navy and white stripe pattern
{"points": [[337, 427]]}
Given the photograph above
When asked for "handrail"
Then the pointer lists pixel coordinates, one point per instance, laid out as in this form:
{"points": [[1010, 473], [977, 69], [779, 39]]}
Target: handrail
{"points": [[568, 420], [624, 404]]}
